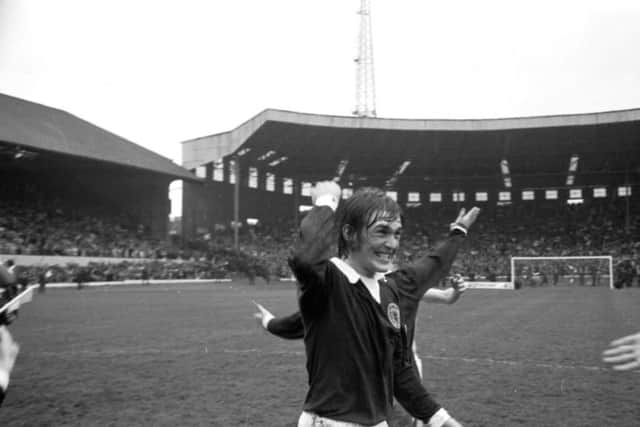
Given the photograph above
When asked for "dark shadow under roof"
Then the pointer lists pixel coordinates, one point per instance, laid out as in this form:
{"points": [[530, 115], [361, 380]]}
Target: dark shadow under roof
{"points": [[431, 152], [36, 126]]}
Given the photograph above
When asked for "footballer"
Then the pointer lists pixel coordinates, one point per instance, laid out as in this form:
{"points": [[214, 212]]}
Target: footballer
{"points": [[356, 336]]}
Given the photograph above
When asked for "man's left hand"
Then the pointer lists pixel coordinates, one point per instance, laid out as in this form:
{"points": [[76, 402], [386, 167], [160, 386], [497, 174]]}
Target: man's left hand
{"points": [[466, 219]]}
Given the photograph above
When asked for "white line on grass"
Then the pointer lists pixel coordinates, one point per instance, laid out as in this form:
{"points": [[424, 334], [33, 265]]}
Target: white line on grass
{"points": [[119, 352], [452, 359], [261, 352]]}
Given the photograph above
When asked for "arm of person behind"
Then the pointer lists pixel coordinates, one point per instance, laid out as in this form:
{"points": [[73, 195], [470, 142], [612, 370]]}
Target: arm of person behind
{"points": [[426, 272], [449, 295], [312, 250]]}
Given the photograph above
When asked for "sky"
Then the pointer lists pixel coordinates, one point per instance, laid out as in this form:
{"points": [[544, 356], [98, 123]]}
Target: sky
{"points": [[159, 72]]}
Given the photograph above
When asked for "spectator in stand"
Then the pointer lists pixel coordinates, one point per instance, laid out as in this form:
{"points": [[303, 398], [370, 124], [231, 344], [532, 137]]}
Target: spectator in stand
{"points": [[539, 229], [624, 273], [144, 275]]}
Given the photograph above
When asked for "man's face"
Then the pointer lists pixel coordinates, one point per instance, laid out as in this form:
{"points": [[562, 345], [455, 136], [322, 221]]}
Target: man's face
{"points": [[377, 247]]}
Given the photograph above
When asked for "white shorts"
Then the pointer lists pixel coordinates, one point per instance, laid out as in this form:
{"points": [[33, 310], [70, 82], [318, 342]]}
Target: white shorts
{"points": [[308, 419]]}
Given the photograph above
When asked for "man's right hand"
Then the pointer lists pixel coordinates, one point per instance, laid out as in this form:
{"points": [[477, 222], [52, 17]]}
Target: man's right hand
{"points": [[624, 353], [326, 188]]}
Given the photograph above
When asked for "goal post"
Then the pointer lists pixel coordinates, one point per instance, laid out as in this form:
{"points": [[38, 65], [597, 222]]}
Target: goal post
{"points": [[562, 270]]}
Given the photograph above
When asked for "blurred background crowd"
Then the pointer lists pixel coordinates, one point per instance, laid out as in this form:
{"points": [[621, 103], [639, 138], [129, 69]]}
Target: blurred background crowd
{"points": [[553, 229]]}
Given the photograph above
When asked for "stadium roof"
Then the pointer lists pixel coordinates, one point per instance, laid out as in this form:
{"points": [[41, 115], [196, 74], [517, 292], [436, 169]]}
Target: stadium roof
{"points": [[41, 128], [413, 153]]}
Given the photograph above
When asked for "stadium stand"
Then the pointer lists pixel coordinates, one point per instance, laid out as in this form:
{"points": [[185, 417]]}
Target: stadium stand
{"points": [[548, 186], [485, 256], [72, 189]]}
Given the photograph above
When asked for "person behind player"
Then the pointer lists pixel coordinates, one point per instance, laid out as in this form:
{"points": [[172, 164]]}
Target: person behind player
{"points": [[8, 353], [624, 353], [8, 291], [356, 337], [8, 278], [20, 275]]}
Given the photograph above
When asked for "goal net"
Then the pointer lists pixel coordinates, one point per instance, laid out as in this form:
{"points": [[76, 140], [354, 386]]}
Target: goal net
{"points": [[561, 271]]}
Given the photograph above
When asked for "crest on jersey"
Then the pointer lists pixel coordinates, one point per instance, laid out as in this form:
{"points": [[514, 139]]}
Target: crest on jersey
{"points": [[393, 313]]}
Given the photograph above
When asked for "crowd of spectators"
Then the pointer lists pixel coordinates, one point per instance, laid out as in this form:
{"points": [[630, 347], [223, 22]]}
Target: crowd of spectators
{"points": [[552, 229], [549, 231], [25, 229]]}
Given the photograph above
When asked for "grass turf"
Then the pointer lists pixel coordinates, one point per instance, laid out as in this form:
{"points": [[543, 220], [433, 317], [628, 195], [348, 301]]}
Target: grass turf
{"points": [[192, 355]]}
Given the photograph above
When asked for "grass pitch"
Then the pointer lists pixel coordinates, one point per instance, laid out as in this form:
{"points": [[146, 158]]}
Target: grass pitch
{"points": [[192, 355]]}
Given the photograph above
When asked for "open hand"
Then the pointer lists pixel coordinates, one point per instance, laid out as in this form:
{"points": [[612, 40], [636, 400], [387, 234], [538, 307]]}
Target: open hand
{"points": [[466, 219], [624, 353]]}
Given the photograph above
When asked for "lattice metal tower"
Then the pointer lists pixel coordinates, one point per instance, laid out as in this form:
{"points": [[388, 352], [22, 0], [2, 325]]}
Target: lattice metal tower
{"points": [[365, 79]]}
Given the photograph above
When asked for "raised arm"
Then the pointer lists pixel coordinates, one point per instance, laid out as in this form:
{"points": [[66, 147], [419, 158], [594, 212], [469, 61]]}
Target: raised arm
{"points": [[313, 248], [426, 272]]}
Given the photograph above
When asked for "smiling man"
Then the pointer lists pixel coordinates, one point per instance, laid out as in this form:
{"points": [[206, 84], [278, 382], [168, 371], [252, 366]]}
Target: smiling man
{"points": [[416, 281], [356, 337]]}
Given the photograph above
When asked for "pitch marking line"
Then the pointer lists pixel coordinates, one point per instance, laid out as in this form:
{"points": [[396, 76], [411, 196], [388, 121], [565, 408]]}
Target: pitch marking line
{"points": [[261, 352], [490, 361]]}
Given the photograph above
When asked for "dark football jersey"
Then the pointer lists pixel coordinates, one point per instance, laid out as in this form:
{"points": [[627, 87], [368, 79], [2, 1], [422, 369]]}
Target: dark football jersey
{"points": [[358, 352]]}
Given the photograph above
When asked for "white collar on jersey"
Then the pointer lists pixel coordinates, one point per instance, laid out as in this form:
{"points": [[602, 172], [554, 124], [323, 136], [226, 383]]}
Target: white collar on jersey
{"points": [[352, 275]]}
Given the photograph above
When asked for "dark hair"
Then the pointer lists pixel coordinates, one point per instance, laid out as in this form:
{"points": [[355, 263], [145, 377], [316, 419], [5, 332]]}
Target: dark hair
{"points": [[360, 211]]}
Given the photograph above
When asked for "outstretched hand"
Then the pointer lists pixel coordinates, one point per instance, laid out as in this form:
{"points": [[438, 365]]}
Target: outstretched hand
{"points": [[323, 188], [466, 219], [8, 351], [624, 353], [263, 316]]}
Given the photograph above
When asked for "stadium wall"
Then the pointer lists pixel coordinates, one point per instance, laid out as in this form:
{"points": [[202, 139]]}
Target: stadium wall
{"points": [[47, 260]]}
